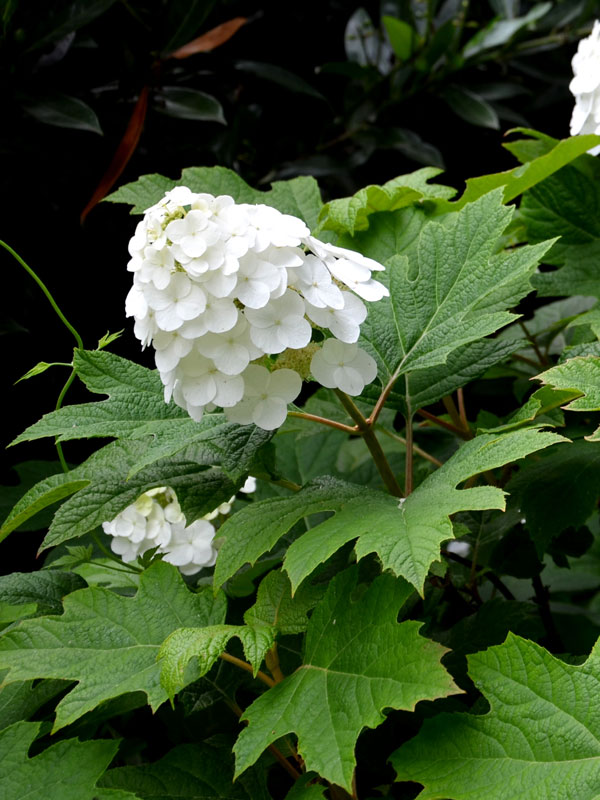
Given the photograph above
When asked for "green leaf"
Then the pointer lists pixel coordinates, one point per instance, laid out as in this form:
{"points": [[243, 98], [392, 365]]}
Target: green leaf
{"points": [[540, 404], [276, 607], [382, 665], [539, 740], [199, 771], [306, 788], [68, 770], [401, 36], [351, 214], [103, 489], [106, 642], [207, 644], [22, 699], [557, 491], [29, 473], [471, 107], [581, 375], [62, 111], [184, 103], [405, 534], [417, 328], [282, 77], [499, 32], [576, 275], [299, 196], [47, 588], [517, 180], [40, 367], [136, 409], [63, 18]]}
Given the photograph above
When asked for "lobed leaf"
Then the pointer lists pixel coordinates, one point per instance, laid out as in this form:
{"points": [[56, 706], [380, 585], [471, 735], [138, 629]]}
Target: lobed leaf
{"points": [[405, 534], [539, 739], [345, 681], [106, 642], [67, 770]]}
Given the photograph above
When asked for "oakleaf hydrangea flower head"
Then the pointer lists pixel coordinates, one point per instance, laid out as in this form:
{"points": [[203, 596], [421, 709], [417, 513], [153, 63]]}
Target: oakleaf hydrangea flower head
{"points": [[585, 86], [221, 287]]}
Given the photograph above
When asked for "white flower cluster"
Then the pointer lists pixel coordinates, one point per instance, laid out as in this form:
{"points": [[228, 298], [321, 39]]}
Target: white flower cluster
{"points": [[586, 86], [156, 520], [218, 286]]}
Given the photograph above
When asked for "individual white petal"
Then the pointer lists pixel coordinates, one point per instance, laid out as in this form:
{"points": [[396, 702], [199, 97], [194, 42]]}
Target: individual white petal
{"points": [[269, 413]]}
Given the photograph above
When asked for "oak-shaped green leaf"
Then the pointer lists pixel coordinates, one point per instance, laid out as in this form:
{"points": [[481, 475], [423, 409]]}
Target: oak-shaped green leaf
{"points": [[417, 327], [544, 403], [67, 770], [298, 196], [200, 771], [206, 644], [405, 534], [106, 642], [581, 375], [102, 488], [358, 661], [351, 214], [136, 409], [539, 741]]}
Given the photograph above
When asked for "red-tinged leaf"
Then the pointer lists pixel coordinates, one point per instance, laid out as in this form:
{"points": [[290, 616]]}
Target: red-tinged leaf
{"points": [[123, 153], [211, 39]]}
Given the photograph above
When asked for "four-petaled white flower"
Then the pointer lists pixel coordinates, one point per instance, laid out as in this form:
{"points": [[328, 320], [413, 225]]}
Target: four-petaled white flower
{"points": [[266, 397], [338, 365]]}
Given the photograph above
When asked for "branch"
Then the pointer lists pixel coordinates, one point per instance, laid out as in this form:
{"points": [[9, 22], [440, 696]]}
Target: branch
{"points": [[262, 676]]}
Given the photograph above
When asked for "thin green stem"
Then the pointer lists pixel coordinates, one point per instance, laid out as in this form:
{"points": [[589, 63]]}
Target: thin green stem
{"points": [[416, 449], [365, 429], [323, 421], [262, 676], [532, 341], [408, 471], [272, 662], [46, 291], [61, 397]]}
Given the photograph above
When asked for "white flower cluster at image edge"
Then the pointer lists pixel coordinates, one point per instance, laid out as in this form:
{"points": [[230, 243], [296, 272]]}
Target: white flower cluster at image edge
{"points": [[585, 86], [155, 520], [218, 286]]}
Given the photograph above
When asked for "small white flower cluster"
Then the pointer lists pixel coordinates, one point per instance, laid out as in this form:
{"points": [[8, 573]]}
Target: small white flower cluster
{"points": [[218, 286], [156, 520], [585, 86]]}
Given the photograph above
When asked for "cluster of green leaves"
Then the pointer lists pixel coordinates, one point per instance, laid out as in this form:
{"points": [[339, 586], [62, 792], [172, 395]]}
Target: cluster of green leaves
{"points": [[344, 640]]}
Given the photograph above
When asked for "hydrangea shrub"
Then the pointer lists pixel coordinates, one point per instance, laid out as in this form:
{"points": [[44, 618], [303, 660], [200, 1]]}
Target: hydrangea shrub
{"points": [[343, 542]]}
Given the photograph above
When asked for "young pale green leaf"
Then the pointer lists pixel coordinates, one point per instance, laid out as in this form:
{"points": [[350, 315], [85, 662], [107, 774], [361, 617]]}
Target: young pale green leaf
{"points": [[405, 534], [276, 607], [500, 31], [581, 375], [345, 682], [67, 770], [207, 644], [401, 36], [351, 214], [539, 740], [46, 588], [103, 489], [136, 408], [299, 196], [560, 490], [106, 642], [517, 180], [199, 771], [418, 328]]}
